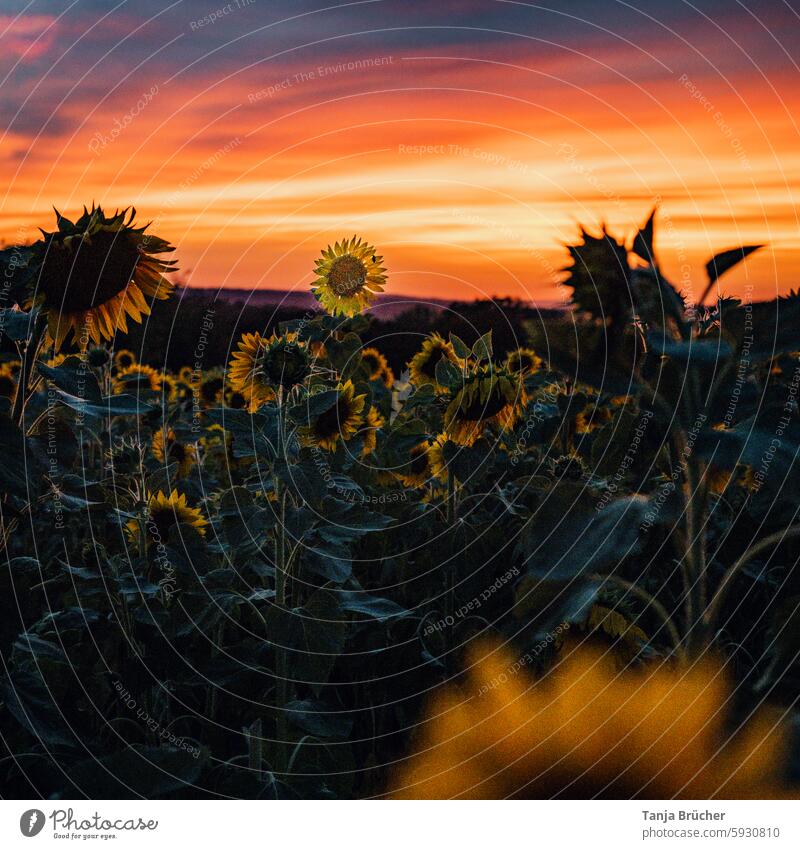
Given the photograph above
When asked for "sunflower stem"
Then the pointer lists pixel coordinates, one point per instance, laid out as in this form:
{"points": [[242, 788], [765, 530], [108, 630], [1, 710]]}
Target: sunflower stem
{"points": [[26, 369], [449, 598]]}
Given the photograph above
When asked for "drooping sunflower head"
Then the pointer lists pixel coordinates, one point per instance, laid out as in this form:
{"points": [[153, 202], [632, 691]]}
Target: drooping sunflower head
{"points": [[262, 365], [349, 276], [167, 448], [373, 422], [123, 358], [137, 378], [164, 512], [96, 272], [342, 420], [8, 382], [588, 731], [377, 366], [488, 396], [423, 364], [523, 361]]}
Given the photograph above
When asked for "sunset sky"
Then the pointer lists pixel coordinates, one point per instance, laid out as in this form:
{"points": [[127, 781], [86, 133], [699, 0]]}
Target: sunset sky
{"points": [[465, 139]]}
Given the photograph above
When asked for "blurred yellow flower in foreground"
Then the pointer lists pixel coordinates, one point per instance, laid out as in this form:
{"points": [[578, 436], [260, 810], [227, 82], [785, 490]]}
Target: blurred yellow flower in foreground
{"points": [[587, 731]]}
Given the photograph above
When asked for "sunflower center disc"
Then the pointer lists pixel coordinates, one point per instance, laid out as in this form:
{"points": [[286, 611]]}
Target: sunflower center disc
{"points": [[347, 275]]}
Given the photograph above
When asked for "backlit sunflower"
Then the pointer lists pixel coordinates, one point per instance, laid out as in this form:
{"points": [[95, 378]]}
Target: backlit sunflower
{"points": [[488, 396], [8, 383], [591, 418], [423, 364], [164, 512], [168, 449], [524, 361], [372, 424], [349, 275], [343, 419], [123, 358], [95, 273], [377, 366], [137, 377], [588, 731], [261, 365]]}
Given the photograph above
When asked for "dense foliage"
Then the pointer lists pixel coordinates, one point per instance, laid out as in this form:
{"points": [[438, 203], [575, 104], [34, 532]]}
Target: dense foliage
{"points": [[246, 580]]}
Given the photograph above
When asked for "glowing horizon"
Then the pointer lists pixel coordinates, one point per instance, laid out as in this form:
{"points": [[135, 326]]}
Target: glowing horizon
{"points": [[467, 151]]}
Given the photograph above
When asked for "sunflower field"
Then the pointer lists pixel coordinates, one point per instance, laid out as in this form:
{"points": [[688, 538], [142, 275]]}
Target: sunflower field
{"points": [[563, 570]]}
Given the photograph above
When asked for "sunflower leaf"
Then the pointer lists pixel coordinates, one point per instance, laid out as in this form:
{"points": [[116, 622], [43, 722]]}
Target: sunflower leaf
{"points": [[482, 349], [460, 347]]}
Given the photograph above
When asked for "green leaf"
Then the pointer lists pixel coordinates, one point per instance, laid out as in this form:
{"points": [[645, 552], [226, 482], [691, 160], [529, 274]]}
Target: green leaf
{"points": [[447, 373], [482, 349], [17, 325], [315, 718], [369, 605], [696, 350], [460, 347], [73, 377]]}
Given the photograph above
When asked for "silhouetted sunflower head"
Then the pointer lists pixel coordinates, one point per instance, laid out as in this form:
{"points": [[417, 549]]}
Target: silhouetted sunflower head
{"points": [[599, 277], [164, 512], [342, 420], [262, 365], [349, 275], [136, 378], [95, 273], [123, 358], [423, 364], [523, 361], [377, 366], [8, 382], [373, 422], [588, 731], [488, 396], [168, 449]]}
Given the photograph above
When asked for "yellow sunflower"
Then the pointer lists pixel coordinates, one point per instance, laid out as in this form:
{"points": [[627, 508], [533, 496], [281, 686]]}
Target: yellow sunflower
{"points": [[523, 361], [588, 731], [426, 464], [124, 358], [591, 417], [168, 449], [186, 374], [8, 383], [95, 273], [436, 460], [170, 386], [164, 512], [423, 364], [261, 365], [137, 377], [343, 419], [488, 396], [373, 422], [349, 275], [377, 366]]}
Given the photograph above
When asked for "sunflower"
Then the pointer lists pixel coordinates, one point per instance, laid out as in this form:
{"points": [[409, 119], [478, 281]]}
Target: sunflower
{"points": [[95, 272], [260, 366], [124, 358], [436, 459], [523, 361], [488, 396], [349, 275], [235, 400], [8, 383], [591, 417], [167, 449], [423, 364], [164, 512], [426, 464], [209, 389], [377, 366], [343, 419], [136, 378], [186, 375], [372, 424], [170, 386], [588, 731]]}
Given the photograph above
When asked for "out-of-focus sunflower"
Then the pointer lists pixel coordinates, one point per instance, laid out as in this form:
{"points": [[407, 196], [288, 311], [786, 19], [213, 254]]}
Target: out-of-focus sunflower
{"points": [[342, 420], [523, 361], [186, 374], [378, 367], [123, 358], [422, 366], [235, 400], [8, 383], [137, 377], [209, 389], [95, 273], [164, 512], [488, 396], [97, 356], [588, 731], [591, 417], [170, 386], [373, 422], [349, 275], [426, 464], [261, 365], [168, 449]]}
